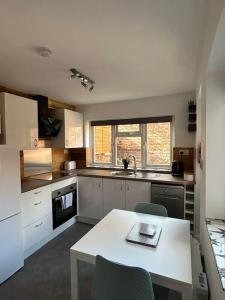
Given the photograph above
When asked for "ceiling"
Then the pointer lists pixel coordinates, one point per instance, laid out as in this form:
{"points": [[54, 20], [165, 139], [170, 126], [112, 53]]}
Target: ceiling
{"points": [[217, 57], [131, 48]]}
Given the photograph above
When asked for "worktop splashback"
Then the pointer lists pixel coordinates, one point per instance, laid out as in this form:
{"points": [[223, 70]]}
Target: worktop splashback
{"points": [[37, 161]]}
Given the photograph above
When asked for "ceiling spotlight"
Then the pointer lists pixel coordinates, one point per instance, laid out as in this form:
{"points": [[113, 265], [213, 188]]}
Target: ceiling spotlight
{"points": [[86, 82]]}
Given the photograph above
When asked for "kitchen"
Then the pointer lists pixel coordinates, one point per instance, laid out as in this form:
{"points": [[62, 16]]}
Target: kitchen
{"points": [[70, 167]]}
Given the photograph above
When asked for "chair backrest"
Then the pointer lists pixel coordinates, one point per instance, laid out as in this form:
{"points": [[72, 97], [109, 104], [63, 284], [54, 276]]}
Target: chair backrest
{"points": [[113, 281], [151, 209]]}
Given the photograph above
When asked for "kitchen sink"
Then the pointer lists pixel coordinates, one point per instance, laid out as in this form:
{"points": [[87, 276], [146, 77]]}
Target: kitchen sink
{"points": [[122, 173], [137, 175]]}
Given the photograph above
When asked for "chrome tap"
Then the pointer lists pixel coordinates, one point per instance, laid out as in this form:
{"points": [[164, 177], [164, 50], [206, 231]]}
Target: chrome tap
{"points": [[135, 165]]}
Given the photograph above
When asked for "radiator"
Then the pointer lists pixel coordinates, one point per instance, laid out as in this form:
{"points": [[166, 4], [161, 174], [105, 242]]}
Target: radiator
{"points": [[200, 285]]}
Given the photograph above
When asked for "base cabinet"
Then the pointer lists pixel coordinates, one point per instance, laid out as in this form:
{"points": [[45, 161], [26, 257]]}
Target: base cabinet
{"points": [[98, 196], [36, 216], [90, 197], [113, 194], [37, 231], [137, 191]]}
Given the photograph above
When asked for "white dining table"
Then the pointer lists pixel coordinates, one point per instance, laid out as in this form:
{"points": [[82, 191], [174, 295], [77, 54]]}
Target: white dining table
{"points": [[169, 264]]}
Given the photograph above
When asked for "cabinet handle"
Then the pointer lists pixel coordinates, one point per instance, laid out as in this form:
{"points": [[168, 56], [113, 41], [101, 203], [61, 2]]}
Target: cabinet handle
{"points": [[99, 185], [121, 188], [37, 203], [36, 193], [38, 225], [128, 187]]}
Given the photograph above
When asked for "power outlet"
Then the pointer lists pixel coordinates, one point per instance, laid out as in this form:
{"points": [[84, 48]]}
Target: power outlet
{"points": [[184, 151], [66, 151]]}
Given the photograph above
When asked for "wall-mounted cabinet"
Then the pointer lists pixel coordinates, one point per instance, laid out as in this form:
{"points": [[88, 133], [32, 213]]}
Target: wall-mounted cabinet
{"points": [[71, 133], [19, 122]]}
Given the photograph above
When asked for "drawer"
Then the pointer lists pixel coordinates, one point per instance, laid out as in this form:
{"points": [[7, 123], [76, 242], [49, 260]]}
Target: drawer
{"points": [[62, 183], [36, 204], [37, 231]]}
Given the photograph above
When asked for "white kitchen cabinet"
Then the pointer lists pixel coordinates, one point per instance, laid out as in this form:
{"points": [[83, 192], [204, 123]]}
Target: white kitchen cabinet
{"points": [[37, 231], [36, 204], [136, 191], [90, 197], [98, 196], [36, 216], [71, 132], [113, 194], [19, 122]]}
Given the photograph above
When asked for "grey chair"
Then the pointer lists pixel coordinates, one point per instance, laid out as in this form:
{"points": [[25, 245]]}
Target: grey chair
{"points": [[161, 293], [113, 281], [151, 209]]}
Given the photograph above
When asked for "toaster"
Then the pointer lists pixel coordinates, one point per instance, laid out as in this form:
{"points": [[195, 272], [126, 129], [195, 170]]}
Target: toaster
{"points": [[69, 165]]}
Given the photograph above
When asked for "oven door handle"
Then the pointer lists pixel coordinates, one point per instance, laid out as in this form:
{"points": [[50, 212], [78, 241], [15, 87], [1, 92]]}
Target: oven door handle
{"points": [[57, 199]]}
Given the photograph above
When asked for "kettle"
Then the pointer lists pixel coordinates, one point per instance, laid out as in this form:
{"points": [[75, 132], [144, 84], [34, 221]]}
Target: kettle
{"points": [[177, 168]]}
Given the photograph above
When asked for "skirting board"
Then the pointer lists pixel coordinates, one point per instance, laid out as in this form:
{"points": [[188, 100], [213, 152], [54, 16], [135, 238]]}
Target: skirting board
{"points": [[54, 234]]}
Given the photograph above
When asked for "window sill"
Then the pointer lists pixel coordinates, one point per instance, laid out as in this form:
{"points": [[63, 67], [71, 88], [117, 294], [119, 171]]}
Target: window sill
{"points": [[216, 230]]}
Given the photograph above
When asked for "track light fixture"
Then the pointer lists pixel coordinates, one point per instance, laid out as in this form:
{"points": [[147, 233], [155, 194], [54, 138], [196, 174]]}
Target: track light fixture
{"points": [[86, 82]]}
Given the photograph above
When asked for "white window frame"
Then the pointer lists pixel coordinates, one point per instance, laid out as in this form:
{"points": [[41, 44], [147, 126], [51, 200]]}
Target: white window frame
{"points": [[149, 166], [128, 134], [92, 140], [141, 133]]}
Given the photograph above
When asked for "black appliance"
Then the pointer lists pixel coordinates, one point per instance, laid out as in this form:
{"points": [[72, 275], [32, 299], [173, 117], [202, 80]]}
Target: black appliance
{"points": [[170, 196], [48, 126], [177, 168], [62, 213]]}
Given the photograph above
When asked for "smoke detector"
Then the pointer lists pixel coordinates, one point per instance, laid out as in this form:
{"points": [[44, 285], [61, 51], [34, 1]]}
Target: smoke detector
{"points": [[45, 52]]}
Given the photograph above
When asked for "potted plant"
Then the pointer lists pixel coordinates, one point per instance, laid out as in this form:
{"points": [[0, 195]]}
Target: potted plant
{"points": [[126, 162]]}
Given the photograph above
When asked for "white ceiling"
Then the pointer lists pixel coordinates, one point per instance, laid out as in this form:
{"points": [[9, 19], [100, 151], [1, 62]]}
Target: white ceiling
{"points": [[217, 57], [131, 48]]}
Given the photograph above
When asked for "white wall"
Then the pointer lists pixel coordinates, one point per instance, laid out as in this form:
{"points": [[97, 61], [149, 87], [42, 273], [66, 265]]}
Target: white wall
{"points": [[176, 105], [215, 145], [215, 8]]}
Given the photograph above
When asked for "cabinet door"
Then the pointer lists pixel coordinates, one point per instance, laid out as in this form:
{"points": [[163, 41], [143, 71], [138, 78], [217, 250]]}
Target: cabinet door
{"points": [[90, 197], [21, 122], [10, 183], [73, 129], [136, 191], [113, 194]]}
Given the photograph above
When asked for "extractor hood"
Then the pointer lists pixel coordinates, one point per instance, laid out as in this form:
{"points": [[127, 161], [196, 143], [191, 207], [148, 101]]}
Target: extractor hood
{"points": [[48, 126]]}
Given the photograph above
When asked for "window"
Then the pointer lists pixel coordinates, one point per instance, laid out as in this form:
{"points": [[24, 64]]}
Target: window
{"points": [[150, 142], [158, 144], [128, 142], [103, 144]]}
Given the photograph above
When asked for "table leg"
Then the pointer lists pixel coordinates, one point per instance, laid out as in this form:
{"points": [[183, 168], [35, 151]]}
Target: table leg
{"points": [[74, 277]]}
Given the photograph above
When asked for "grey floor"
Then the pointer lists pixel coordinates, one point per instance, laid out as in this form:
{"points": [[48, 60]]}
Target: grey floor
{"points": [[46, 274]]}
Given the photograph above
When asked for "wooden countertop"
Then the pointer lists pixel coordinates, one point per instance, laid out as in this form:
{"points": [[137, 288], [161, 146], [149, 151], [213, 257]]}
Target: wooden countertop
{"points": [[31, 183], [144, 176], [34, 182]]}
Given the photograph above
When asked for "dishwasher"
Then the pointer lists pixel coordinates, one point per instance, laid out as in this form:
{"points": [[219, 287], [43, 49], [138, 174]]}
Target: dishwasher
{"points": [[170, 196]]}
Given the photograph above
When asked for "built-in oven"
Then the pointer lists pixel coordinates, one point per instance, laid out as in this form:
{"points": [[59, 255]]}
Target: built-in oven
{"points": [[64, 204]]}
